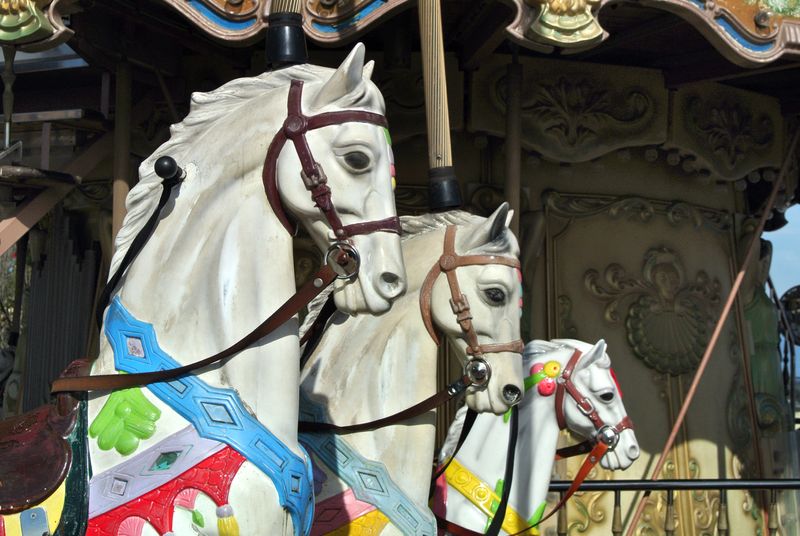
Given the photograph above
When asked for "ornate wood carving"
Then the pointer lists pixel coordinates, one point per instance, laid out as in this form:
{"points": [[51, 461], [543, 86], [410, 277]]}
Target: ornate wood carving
{"points": [[635, 208], [580, 114], [669, 318], [544, 24], [35, 25], [747, 32], [731, 132]]}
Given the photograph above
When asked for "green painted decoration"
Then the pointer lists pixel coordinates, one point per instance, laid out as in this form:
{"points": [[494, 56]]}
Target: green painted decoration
{"points": [[126, 418]]}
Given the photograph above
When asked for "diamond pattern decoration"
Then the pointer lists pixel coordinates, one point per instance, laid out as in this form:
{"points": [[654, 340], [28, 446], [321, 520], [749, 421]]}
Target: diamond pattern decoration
{"points": [[135, 347], [165, 460], [118, 486], [218, 412], [327, 515], [371, 481]]}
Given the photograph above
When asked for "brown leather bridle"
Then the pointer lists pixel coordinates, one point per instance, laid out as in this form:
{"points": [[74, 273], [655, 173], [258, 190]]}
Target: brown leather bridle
{"points": [[476, 369], [294, 128], [342, 259]]}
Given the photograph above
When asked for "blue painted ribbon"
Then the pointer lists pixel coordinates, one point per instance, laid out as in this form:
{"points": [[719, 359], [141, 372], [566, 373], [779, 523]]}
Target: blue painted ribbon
{"points": [[216, 413]]}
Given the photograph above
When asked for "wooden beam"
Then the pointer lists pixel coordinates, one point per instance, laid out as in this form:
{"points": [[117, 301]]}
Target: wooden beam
{"points": [[719, 72], [484, 32], [28, 214]]}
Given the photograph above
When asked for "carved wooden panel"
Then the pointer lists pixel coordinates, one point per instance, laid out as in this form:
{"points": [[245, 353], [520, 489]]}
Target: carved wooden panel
{"points": [[574, 112], [730, 131]]}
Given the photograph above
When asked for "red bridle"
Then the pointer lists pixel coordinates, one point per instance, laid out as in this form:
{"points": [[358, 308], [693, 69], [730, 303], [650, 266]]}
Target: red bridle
{"points": [[294, 128], [564, 384]]}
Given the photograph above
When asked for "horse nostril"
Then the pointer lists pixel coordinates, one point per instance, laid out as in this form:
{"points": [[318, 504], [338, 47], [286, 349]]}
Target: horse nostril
{"points": [[391, 285], [633, 452], [389, 279], [512, 394]]}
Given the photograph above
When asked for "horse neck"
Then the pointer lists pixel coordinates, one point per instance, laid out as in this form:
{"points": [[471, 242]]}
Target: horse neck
{"points": [[219, 260], [536, 448], [369, 367]]}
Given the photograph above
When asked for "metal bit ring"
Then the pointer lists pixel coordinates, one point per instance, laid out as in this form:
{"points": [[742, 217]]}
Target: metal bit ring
{"points": [[478, 372], [344, 259]]}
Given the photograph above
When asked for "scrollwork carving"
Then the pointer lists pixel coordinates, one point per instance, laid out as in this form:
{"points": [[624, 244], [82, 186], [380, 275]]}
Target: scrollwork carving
{"points": [[730, 130], [668, 321], [575, 112], [635, 209]]}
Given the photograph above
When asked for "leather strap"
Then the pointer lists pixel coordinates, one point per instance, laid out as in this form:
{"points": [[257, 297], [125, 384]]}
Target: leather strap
{"points": [[433, 401], [469, 421], [447, 264], [133, 250], [591, 460], [294, 129], [324, 277], [500, 514]]}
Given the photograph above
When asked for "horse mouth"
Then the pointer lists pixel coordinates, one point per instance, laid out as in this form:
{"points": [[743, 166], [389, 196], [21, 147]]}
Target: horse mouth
{"points": [[350, 298]]}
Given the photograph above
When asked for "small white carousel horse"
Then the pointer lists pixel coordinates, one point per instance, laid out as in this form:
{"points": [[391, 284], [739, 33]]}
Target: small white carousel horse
{"points": [[563, 373], [217, 264], [367, 367]]}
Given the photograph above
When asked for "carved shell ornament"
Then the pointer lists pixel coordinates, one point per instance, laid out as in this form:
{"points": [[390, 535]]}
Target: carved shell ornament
{"points": [[669, 319]]}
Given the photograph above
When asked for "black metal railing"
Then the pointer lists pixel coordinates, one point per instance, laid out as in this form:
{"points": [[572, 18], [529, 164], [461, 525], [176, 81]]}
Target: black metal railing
{"points": [[672, 486]]}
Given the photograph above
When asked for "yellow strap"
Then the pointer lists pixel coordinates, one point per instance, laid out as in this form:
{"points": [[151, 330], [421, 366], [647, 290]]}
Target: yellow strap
{"points": [[370, 524], [482, 496]]}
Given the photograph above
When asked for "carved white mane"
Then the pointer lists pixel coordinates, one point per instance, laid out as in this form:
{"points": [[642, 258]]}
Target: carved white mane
{"points": [[204, 109]]}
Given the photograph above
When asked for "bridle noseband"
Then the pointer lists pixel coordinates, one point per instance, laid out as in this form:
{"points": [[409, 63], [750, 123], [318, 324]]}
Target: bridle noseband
{"points": [[294, 128], [605, 433], [477, 370]]}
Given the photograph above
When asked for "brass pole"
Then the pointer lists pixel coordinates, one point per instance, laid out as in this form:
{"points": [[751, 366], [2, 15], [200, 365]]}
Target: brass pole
{"points": [[513, 137], [718, 328], [122, 145], [443, 183]]}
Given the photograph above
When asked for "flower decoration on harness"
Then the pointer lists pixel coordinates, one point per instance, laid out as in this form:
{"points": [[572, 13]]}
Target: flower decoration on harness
{"points": [[543, 376]]}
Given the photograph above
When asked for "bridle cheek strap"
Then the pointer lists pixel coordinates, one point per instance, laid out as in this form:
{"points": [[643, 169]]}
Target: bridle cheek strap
{"points": [[294, 129], [448, 263]]}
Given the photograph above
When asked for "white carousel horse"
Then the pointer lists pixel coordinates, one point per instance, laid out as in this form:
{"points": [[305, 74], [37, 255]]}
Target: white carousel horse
{"points": [[468, 493], [367, 367], [217, 264]]}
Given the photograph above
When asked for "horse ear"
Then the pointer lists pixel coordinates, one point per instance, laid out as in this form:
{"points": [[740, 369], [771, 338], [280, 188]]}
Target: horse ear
{"points": [[367, 72], [345, 80], [596, 352], [487, 231]]}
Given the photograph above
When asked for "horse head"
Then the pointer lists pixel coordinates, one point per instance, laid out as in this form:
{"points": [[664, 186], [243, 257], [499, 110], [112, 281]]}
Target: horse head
{"points": [[483, 289], [590, 398], [352, 150]]}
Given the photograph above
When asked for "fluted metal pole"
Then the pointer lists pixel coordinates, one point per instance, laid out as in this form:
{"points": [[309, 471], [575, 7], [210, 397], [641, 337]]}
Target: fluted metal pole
{"points": [[444, 189]]}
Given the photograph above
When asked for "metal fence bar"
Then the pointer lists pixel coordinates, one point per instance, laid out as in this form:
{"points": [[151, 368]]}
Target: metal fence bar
{"points": [[678, 485]]}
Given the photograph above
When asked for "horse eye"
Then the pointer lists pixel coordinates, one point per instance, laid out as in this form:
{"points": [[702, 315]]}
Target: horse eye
{"points": [[607, 397], [496, 296], [357, 160]]}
